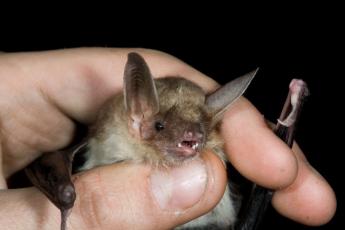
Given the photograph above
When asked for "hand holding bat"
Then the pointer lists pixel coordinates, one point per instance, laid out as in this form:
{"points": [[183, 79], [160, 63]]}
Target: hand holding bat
{"points": [[57, 99]]}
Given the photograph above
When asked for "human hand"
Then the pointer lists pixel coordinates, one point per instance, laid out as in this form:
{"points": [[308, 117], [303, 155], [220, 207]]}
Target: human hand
{"points": [[42, 92]]}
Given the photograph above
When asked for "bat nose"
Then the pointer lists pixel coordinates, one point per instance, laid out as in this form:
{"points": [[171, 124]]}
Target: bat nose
{"points": [[193, 135]]}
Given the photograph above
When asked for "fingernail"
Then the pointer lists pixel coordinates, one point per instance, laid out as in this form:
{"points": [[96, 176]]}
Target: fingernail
{"points": [[179, 188]]}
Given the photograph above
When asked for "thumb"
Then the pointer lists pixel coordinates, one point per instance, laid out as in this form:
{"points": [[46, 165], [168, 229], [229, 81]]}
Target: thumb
{"points": [[133, 196], [127, 196]]}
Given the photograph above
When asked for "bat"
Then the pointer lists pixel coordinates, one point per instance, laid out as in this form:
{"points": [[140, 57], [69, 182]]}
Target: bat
{"points": [[163, 122]]}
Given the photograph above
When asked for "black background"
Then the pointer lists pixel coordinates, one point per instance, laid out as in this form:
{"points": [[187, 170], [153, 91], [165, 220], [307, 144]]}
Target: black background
{"points": [[224, 48]]}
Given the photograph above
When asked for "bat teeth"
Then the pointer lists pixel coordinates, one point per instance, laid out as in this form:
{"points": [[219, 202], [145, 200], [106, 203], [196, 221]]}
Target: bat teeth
{"points": [[195, 146]]}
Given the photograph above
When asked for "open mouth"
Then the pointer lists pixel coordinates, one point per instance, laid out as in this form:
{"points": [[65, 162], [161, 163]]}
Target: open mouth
{"points": [[188, 144], [187, 148]]}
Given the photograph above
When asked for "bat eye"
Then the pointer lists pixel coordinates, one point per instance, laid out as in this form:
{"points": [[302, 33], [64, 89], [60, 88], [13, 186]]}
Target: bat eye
{"points": [[159, 126]]}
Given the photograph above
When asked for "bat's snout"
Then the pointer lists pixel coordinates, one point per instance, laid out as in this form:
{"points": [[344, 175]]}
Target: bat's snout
{"points": [[190, 144]]}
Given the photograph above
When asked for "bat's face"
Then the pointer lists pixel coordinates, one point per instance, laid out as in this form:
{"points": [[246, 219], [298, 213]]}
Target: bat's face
{"points": [[172, 114], [179, 129]]}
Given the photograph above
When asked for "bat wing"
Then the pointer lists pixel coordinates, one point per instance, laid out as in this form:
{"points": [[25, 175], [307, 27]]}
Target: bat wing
{"points": [[51, 174]]}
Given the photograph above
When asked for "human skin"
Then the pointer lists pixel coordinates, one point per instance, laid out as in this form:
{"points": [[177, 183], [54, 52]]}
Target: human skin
{"points": [[40, 94]]}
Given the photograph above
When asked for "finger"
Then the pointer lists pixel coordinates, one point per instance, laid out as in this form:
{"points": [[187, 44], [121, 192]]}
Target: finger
{"points": [[260, 156], [79, 81], [124, 196], [253, 148], [310, 199]]}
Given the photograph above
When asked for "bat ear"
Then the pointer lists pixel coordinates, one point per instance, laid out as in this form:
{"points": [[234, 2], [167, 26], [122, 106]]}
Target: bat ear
{"points": [[219, 101], [140, 94]]}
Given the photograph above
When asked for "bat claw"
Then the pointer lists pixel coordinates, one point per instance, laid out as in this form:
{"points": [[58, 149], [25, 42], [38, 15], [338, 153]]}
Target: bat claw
{"points": [[287, 122], [298, 90]]}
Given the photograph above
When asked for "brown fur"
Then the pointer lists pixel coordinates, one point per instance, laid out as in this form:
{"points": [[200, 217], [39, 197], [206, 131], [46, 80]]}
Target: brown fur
{"points": [[181, 106]]}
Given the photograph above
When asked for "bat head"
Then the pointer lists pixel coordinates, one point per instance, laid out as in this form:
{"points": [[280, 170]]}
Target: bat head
{"points": [[173, 114]]}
